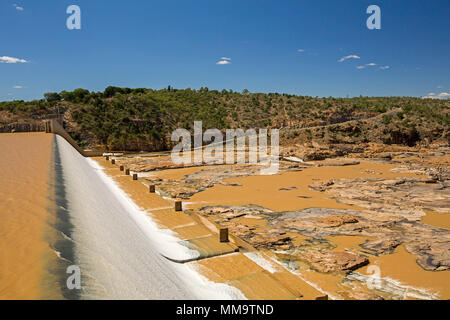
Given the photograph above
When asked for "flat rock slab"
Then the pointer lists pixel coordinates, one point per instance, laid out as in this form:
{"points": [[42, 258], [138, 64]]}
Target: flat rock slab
{"points": [[337, 163]]}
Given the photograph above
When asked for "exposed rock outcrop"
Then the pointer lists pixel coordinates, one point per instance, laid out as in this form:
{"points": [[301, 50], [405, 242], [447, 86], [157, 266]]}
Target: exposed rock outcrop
{"points": [[385, 232], [331, 261]]}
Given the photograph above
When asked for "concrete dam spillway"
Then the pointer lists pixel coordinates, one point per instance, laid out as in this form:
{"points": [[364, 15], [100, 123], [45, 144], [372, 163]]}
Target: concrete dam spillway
{"points": [[90, 223], [119, 259]]}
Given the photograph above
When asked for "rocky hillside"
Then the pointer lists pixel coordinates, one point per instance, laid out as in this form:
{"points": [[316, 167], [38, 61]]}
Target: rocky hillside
{"points": [[143, 119]]}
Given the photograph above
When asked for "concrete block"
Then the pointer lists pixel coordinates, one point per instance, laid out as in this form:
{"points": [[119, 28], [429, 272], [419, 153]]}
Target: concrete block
{"points": [[178, 206], [127, 172], [107, 158], [223, 235], [113, 161], [325, 297], [122, 168], [135, 176], [151, 188]]}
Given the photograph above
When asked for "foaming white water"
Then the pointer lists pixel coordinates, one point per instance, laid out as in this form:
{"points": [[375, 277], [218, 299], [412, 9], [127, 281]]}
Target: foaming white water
{"points": [[117, 246], [261, 261], [164, 240], [394, 287]]}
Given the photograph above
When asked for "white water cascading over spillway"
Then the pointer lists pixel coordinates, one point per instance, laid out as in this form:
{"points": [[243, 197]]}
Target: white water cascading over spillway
{"points": [[118, 247]]}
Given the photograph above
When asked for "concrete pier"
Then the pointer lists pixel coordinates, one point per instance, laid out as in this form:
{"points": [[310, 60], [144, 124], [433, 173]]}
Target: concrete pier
{"points": [[223, 235], [151, 188], [135, 176], [127, 172], [178, 206], [122, 168]]}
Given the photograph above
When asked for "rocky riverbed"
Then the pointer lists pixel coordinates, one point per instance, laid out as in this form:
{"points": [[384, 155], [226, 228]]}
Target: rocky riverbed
{"points": [[376, 194]]}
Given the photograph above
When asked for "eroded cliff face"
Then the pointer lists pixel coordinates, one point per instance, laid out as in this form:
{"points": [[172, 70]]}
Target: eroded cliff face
{"points": [[330, 220]]}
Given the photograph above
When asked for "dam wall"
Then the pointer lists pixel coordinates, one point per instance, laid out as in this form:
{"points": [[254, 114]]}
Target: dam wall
{"points": [[22, 127], [117, 246], [53, 126]]}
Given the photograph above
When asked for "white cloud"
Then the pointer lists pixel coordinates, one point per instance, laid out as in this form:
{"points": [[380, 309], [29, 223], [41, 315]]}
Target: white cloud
{"points": [[352, 56], [6, 59], [442, 95], [19, 8], [372, 64], [300, 50], [17, 87], [224, 60]]}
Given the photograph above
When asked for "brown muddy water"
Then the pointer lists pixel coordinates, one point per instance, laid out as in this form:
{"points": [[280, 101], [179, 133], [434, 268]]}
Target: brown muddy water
{"points": [[264, 190], [34, 253], [57, 211], [401, 266], [29, 264], [436, 219]]}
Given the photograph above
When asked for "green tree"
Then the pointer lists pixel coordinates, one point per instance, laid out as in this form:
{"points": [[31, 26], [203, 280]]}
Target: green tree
{"points": [[52, 96]]}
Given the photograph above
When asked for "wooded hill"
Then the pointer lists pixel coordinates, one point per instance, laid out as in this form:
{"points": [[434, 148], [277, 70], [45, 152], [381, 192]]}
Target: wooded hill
{"points": [[143, 119]]}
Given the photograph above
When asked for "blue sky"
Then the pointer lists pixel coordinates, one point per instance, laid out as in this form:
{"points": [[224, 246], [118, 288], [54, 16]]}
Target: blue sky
{"points": [[154, 44]]}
